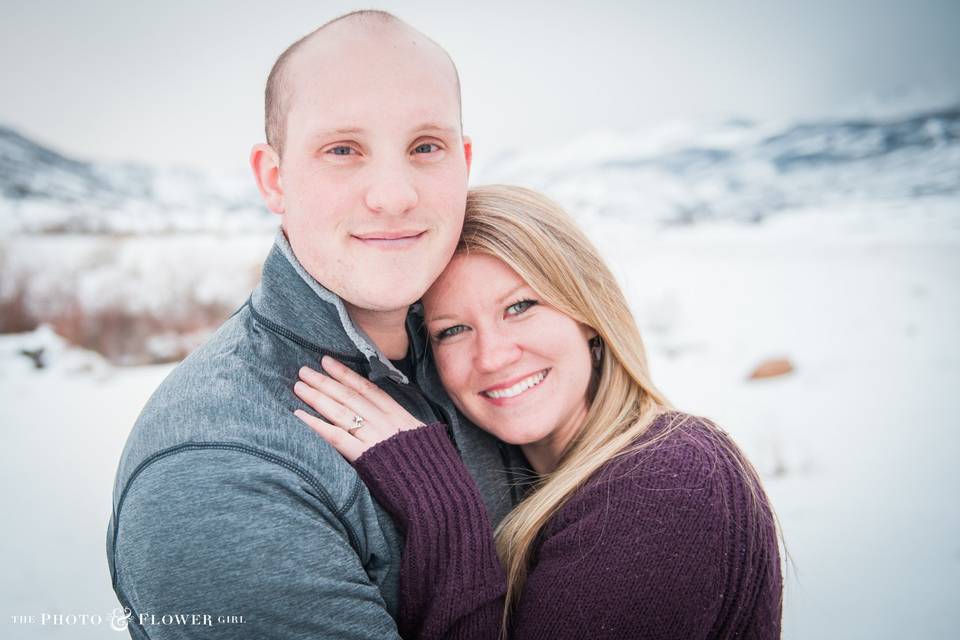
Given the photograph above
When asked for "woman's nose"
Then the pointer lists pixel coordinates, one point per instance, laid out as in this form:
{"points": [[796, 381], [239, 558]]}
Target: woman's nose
{"points": [[495, 350]]}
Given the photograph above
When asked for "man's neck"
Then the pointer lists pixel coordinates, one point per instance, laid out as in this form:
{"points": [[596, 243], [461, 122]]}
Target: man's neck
{"points": [[387, 329]]}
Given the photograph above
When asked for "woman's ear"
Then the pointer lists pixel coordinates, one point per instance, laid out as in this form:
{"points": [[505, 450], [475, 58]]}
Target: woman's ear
{"points": [[596, 350]]}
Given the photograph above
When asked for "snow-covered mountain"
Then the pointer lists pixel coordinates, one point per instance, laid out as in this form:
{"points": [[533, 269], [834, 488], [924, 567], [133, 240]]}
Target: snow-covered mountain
{"points": [[42, 190], [743, 170], [737, 170]]}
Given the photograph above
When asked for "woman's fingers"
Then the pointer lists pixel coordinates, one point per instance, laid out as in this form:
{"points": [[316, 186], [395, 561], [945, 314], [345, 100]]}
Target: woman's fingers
{"points": [[357, 414], [332, 399], [332, 410], [395, 415], [357, 383], [348, 446]]}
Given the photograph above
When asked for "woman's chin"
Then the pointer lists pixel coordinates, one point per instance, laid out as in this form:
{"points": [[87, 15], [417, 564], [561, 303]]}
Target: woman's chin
{"points": [[520, 435]]}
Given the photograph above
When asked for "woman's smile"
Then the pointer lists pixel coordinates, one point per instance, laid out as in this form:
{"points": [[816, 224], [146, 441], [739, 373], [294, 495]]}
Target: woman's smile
{"points": [[500, 394]]}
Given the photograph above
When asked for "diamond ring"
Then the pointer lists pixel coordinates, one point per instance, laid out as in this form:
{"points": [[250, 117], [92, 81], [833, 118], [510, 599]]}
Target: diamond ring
{"points": [[357, 424]]}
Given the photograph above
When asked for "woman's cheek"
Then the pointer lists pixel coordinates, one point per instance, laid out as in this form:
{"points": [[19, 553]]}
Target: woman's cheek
{"points": [[453, 364]]}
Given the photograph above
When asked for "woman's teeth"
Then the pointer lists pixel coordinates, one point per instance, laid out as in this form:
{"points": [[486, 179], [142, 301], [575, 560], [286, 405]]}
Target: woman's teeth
{"points": [[518, 388]]}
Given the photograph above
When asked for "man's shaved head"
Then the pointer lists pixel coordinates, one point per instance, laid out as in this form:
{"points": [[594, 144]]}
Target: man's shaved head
{"points": [[281, 91]]}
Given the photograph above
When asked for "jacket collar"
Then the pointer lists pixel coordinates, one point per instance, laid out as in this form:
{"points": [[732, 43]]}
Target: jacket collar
{"points": [[291, 302]]}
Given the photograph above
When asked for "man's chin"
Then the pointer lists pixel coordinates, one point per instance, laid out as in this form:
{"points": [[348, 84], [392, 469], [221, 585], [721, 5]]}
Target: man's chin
{"points": [[385, 300]]}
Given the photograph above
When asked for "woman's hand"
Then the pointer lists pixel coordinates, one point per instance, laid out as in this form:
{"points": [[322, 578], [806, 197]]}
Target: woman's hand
{"points": [[358, 413]]}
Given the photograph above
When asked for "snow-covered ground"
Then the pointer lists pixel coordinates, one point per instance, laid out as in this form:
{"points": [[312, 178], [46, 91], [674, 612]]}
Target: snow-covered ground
{"points": [[857, 447]]}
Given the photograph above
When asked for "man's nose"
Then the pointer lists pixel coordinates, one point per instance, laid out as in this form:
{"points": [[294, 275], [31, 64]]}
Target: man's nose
{"points": [[391, 190], [495, 350]]}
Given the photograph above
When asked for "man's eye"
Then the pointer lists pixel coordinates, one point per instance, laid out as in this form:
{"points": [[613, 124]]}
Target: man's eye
{"points": [[426, 147], [519, 307], [450, 332], [341, 150]]}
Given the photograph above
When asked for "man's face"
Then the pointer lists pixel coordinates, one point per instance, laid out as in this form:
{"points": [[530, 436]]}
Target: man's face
{"points": [[374, 168]]}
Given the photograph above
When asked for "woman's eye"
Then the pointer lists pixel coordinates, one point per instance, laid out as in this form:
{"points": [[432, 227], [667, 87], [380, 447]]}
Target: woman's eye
{"points": [[450, 332], [341, 150], [519, 307], [426, 147]]}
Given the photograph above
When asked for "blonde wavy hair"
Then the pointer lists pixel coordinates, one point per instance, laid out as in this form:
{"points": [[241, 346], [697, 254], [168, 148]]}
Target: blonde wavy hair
{"points": [[542, 244]]}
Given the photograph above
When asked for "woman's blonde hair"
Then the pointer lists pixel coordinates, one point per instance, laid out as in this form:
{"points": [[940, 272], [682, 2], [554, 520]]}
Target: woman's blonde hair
{"points": [[538, 240], [542, 244]]}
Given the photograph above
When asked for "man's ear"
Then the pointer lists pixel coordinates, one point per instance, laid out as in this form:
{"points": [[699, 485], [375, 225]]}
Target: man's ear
{"points": [[266, 170], [468, 151]]}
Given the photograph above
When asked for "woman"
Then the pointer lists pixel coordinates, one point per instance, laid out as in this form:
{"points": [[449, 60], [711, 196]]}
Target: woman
{"points": [[644, 522]]}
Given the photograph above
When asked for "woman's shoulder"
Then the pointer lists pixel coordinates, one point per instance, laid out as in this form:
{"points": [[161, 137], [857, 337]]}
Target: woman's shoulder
{"points": [[681, 502], [684, 476], [681, 460], [677, 446]]}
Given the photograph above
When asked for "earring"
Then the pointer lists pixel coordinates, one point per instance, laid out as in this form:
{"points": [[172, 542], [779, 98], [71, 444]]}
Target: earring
{"points": [[596, 350]]}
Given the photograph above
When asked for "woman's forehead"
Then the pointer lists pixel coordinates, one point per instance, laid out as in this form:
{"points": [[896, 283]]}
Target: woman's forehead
{"points": [[471, 279]]}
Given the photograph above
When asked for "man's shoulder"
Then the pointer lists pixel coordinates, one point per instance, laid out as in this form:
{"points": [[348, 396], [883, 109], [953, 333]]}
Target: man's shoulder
{"points": [[234, 394]]}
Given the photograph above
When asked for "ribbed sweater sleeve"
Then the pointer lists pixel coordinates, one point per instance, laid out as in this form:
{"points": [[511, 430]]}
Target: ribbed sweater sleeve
{"points": [[451, 582], [668, 543]]}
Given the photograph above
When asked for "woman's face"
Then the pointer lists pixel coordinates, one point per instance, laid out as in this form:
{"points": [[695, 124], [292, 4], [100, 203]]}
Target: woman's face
{"points": [[515, 366]]}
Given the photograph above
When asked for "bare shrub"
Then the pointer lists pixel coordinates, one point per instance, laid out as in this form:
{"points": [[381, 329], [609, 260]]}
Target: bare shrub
{"points": [[134, 300], [126, 337], [15, 313]]}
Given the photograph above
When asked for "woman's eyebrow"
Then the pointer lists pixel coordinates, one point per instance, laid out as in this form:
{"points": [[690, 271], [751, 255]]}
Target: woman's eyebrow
{"points": [[446, 316], [513, 292]]}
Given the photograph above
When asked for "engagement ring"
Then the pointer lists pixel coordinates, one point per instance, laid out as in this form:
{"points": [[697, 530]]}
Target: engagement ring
{"points": [[357, 424]]}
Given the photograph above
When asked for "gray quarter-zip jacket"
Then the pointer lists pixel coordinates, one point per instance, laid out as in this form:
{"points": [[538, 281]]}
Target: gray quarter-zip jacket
{"points": [[233, 519]]}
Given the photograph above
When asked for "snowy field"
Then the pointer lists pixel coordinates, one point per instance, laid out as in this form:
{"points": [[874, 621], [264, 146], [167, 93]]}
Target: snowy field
{"points": [[858, 447]]}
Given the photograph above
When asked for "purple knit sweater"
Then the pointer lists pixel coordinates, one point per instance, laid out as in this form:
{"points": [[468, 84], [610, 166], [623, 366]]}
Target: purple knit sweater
{"points": [[668, 542]]}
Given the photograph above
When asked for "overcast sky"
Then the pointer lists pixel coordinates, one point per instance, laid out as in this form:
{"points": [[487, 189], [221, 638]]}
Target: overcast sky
{"points": [[181, 83]]}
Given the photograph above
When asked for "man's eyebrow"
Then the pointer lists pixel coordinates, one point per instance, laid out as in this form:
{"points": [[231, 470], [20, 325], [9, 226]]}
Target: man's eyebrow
{"points": [[428, 127], [343, 131], [436, 128]]}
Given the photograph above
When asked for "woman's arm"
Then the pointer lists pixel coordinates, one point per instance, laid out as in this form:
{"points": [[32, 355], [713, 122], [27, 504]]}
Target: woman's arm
{"points": [[451, 581]]}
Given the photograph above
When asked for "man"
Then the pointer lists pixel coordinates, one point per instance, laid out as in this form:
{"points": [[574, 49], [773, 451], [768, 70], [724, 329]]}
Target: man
{"points": [[225, 504]]}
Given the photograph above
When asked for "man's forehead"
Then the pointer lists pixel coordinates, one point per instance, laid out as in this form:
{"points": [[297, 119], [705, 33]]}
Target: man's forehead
{"points": [[349, 44], [356, 85], [358, 104]]}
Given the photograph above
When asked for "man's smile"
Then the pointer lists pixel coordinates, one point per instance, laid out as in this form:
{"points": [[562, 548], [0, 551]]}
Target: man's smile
{"points": [[389, 239]]}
